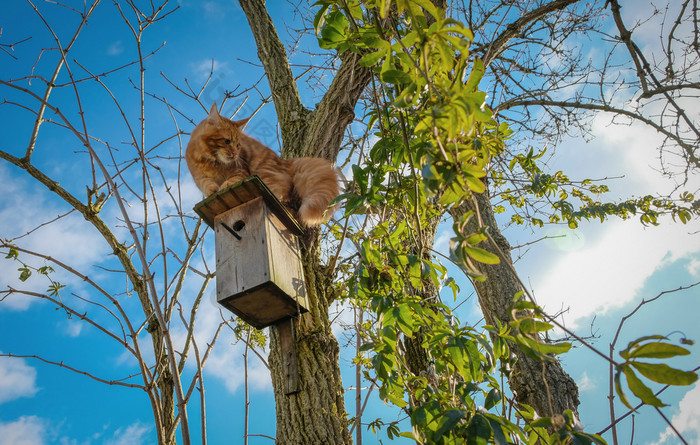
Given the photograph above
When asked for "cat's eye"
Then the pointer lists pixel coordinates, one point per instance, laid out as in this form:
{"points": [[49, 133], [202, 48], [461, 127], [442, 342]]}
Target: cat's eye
{"points": [[227, 141]]}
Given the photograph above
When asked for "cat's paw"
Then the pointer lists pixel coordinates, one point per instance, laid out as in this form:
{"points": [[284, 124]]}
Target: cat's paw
{"points": [[230, 181], [210, 189]]}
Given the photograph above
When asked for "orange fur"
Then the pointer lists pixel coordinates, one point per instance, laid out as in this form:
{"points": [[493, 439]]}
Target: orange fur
{"points": [[219, 154]]}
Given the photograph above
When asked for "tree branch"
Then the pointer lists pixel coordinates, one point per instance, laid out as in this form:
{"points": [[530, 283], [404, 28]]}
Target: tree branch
{"points": [[336, 110], [689, 149], [291, 113], [70, 368], [496, 47]]}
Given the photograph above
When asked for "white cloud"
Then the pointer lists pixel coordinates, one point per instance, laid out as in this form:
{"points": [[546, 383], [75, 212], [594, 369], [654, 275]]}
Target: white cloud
{"points": [[27, 430], [115, 48], [342, 315], [68, 239], [694, 267], [227, 365], [586, 383], [17, 379], [226, 361], [686, 421], [73, 328], [216, 68], [135, 434], [609, 272], [600, 267]]}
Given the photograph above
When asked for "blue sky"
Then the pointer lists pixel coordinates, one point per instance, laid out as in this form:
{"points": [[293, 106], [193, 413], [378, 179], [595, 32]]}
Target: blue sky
{"points": [[600, 272]]}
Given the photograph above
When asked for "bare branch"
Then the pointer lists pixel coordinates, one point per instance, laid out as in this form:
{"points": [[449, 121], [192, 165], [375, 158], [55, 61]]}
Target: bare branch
{"points": [[117, 382]]}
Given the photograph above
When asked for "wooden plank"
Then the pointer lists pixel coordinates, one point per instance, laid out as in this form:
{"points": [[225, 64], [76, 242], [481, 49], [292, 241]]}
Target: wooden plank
{"points": [[263, 306], [288, 347], [285, 260], [259, 276], [240, 193], [241, 264]]}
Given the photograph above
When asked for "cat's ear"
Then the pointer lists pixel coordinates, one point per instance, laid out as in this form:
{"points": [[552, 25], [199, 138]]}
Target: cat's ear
{"points": [[214, 112], [241, 123]]}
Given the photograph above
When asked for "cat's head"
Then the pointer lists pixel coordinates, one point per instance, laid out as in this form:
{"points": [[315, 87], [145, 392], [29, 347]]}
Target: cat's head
{"points": [[219, 138]]}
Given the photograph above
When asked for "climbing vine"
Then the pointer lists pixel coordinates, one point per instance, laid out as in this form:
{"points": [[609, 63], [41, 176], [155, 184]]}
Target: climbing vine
{"points": [[435, 145]]}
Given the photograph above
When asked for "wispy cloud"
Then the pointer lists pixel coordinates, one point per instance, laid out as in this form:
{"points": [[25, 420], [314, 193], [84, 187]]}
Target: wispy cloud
{"points": [[608, 272], [27, 430], [115, 48], [686, 421], [586, 383], [17, 379], [204, 68], [135, 434], [604, 266], [68, 239]]}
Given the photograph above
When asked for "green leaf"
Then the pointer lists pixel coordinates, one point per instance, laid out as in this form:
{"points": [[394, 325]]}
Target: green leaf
{"points": [[355, 204], [476, 238], [618, 389], [542, 422], [360, 176], [369, 254], [448, 421], [493, 398], [395, 77], [429, 7], [478, 430], [658, 350], [12, 254], [530, 325], [631, 345], [457, 356], [55, 288], [500, 426], [662, 373], [320, 17], [475, 76], [540, 350], [475, 185], [451, 196], [639, 389], [25, 273], [587, 439], [481, 255], [371, 59]]}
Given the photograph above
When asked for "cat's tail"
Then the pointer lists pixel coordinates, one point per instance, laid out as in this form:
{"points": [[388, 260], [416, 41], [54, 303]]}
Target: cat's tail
{"points": [[316, 183]]}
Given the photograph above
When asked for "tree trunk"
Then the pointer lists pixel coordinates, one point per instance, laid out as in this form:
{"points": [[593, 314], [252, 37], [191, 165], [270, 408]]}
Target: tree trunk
{"points": [[535, 383], [316, 414]]}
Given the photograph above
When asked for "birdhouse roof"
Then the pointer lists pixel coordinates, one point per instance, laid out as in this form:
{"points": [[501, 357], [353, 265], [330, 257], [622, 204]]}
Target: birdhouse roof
{"points": [[240, 193]]}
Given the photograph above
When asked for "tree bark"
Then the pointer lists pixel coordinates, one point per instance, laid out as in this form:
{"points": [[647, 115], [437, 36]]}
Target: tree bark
{"points": [[291, 114], [543, 385], [316, 414]]}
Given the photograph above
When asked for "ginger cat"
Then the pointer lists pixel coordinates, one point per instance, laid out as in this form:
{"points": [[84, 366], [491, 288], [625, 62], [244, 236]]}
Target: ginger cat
{"points": [[219, 154]]}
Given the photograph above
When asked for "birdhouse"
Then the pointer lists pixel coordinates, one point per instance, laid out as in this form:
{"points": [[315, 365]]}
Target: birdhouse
{"points": [[259, 275]]}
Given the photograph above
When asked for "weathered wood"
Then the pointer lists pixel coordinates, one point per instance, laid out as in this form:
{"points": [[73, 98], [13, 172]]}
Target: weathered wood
{"points": [[289, 354], [240, 193], [259, 274]]}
